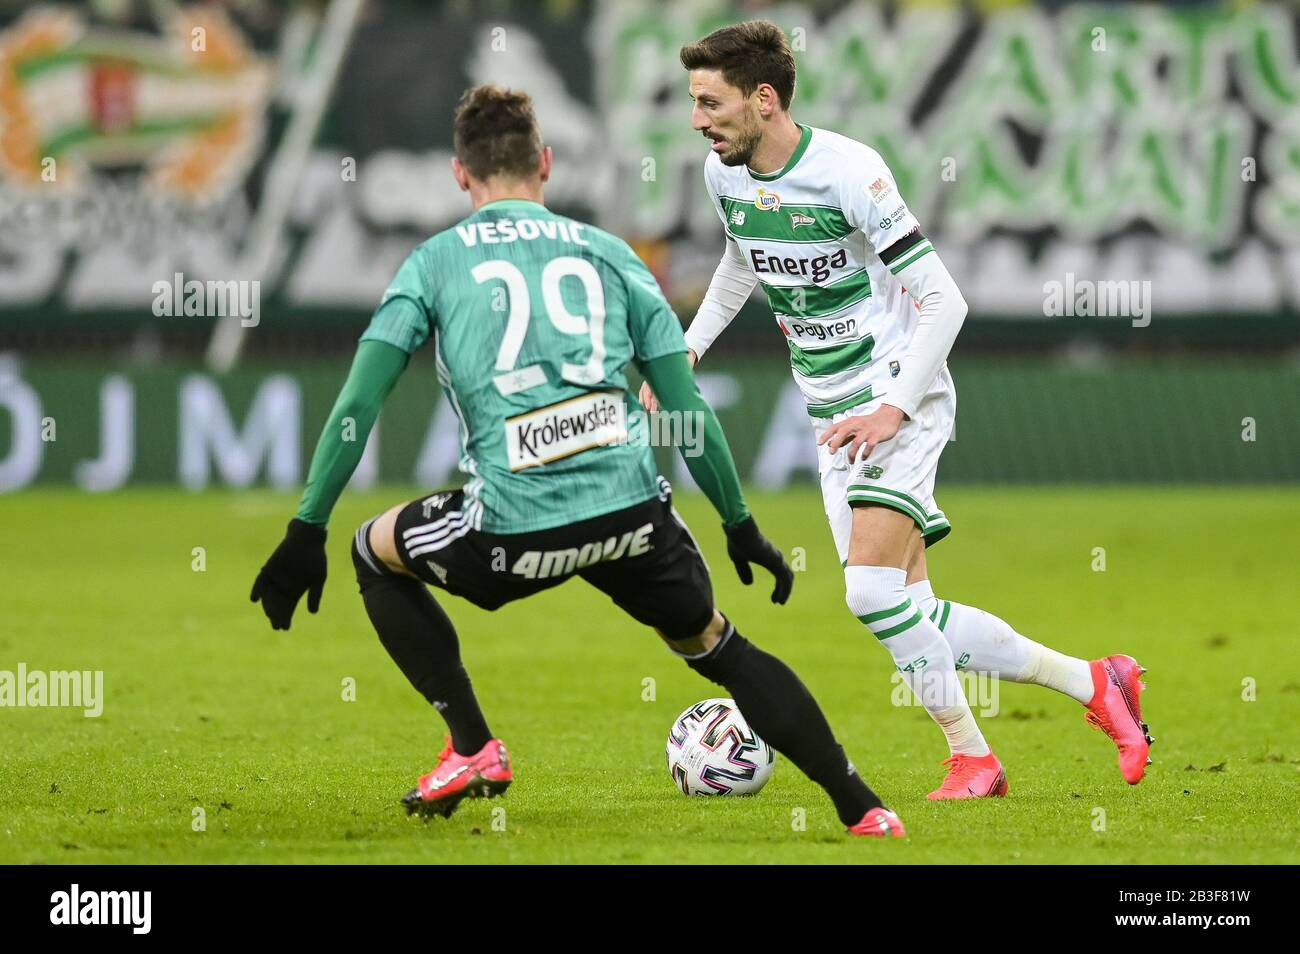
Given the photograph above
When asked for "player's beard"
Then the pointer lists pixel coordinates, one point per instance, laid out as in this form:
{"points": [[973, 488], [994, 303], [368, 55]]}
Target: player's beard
{"points": [[740, 148]]}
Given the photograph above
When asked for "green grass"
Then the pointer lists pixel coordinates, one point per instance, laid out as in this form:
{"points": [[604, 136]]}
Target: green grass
{"points": [[207, 708]]}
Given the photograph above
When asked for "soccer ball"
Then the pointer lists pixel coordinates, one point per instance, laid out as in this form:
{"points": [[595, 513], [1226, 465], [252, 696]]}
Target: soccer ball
{"points": [[713, 751]]}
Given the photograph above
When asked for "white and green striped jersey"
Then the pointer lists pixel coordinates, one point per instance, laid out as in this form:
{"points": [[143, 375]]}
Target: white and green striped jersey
{"points": [[813, 233]]}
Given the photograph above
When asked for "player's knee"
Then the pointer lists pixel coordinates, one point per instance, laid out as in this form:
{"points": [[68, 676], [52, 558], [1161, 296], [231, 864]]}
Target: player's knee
{"points": [[697, 637], [721, 662], [368, 565], [877, 595], [922, 594]]}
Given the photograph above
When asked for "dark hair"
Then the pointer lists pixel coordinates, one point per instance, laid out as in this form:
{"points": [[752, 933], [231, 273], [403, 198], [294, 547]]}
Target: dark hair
{"points": [[748, 54], [496, 133]]}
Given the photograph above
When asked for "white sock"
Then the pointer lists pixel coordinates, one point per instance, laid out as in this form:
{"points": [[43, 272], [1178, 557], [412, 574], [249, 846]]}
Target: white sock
{"points": [[983, 643], [878, 597]]}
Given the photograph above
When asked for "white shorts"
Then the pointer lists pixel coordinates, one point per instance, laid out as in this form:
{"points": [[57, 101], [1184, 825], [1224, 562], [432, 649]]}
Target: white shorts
{"points": [[898, 474]]}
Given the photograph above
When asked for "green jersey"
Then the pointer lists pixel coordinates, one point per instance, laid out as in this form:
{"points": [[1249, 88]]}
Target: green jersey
{"points": [[535, 318]]}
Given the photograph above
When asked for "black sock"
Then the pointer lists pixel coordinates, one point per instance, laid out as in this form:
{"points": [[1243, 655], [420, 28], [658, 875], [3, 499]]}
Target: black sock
{"points": [[778, 706], [422, 641]]}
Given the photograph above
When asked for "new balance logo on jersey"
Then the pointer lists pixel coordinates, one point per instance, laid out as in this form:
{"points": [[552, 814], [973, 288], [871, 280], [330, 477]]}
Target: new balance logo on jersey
{"points": [[818, 268], [798, 218], [564, 429], [870, 471], [738, 217], [545, 564]]}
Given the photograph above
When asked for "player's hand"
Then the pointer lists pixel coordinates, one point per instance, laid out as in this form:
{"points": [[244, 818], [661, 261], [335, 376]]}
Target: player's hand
{"points": [[861, 434], [746, 545], [297, 566], [647, 395]]}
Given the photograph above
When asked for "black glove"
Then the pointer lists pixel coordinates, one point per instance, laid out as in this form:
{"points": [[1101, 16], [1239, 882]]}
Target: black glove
{"points": [[745, 545], [296, 566]]}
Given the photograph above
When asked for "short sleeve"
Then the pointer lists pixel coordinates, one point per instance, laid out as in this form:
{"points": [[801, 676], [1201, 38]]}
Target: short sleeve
{"points": [[653, 326], [872, 203], [405, 315]]}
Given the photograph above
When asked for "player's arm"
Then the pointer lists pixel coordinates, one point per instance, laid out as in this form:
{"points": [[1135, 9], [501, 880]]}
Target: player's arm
{"points": [[375, 369], [872, 203], [714, 470], [941, 312], [733, 281], [660, 355], [298, 565]]}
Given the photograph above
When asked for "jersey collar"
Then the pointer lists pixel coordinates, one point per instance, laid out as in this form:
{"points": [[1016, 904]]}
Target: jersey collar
{"points": [[498, 202], [795, 156]]}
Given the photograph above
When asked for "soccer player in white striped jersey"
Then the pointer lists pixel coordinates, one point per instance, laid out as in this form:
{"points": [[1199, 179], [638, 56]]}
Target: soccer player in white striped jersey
{"points": [[869, 313]]}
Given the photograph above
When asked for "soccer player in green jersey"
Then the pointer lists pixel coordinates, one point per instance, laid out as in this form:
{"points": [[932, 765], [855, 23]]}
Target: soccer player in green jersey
{"points": [[869, 313], [534, 319]]}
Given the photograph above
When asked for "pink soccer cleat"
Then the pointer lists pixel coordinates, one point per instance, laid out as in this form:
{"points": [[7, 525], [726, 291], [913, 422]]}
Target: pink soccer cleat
{"points": [[484, 774], [971, 776], [1116, 709], [879, 823]]}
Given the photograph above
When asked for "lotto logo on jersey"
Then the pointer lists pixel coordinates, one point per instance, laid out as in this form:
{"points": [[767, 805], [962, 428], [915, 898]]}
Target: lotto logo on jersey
{"points": [[767, 201], [564, 429]]}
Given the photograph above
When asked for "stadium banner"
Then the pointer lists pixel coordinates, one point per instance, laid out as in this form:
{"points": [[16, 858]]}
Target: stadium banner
{"points": [[1045, 147], [99, 429]]}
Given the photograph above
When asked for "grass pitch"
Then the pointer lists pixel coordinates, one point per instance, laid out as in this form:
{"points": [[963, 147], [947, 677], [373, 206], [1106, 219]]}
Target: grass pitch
{"points": [[207, 708]]}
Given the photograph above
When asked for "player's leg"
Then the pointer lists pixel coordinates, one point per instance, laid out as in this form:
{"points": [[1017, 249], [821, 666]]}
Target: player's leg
{"points": [[779, 708], [668, 588], [421, 639], [982, 642], [417, 633], [1109, 688], [882, 545]]}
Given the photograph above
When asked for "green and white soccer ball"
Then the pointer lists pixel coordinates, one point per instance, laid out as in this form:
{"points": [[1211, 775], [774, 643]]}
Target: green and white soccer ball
{"points": [[713, 751]]}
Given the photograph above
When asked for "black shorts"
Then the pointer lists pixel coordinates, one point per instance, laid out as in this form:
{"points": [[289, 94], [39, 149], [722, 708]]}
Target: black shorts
{"points": [[642, 557]]}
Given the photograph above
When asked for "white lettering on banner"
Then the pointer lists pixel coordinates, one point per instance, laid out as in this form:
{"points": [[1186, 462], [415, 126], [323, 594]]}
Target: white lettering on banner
{"points": [[117, 437], [271, 433], [19, 467]]}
